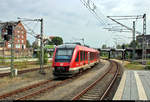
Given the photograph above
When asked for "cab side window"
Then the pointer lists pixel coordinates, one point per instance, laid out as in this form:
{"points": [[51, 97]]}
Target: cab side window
{"points": [[77, 58], [81, 56]]}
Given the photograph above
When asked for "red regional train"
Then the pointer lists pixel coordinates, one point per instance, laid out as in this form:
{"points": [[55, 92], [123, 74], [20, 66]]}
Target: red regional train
{"points": [[69, 59]]}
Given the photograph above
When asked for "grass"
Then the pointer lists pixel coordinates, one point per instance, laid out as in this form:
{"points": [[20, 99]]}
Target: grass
{"points": [[134, 66], [14, 57], [25, 64]]}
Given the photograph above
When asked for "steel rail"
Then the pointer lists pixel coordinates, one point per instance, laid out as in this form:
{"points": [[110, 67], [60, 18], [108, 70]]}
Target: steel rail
{"points": [[24, 89], [93, 84], [9, 94], [28, 96], [21, 71], [41, 91], [112, 82]]}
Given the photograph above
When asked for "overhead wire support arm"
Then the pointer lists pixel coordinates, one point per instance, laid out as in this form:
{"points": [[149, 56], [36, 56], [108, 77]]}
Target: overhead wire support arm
{"points": [[129, 16], [123, 25]]}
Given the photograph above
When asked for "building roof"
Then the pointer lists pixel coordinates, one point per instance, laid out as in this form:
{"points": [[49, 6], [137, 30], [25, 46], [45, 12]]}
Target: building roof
{"points": [[139, 38]]}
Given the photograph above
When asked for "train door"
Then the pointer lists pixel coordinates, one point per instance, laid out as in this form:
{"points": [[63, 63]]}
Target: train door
{"points": [[88, 57]]}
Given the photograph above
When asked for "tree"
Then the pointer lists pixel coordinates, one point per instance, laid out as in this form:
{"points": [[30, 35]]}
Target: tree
{"points": [[57, 40], [104, 46], [136, 44], [119, 47], [28, 45], [45, 57], [34, 45], [49, 42]]}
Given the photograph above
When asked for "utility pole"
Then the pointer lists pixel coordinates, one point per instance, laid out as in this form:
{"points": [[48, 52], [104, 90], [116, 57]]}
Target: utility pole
{"points": [[134, 46], [83, 40], [144, 40], [12, 53], [3, 52], [42, 50]]}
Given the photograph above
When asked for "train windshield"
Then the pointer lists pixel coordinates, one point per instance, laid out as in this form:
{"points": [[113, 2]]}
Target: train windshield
{"points": [[64, 52], [63, 55]]}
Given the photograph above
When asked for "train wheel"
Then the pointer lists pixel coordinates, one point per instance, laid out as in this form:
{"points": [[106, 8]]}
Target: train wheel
{"points": [[80, 70]]}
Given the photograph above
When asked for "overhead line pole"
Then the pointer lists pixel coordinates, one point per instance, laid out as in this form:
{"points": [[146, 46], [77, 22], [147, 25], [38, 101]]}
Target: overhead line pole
{"points": [[144, 40], [42, 51], [134, 46]]}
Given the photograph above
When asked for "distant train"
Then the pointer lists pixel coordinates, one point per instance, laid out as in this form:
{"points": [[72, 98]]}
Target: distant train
{"points": [[69, 59]]}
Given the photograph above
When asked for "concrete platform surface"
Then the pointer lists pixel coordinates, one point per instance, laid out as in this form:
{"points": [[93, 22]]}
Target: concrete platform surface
{"points": [[134, 85]]}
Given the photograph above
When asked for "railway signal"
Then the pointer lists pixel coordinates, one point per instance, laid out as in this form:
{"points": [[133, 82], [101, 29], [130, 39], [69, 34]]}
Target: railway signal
{"points": [[8, 26], [6, 37], [9, 30]]}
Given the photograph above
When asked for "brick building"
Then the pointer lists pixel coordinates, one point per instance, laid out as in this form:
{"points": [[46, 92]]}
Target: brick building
{"points": [[20, 37]]}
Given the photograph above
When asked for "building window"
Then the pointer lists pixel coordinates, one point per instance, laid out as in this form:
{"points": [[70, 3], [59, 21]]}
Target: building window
{"points": [[22, 41], [17, 45], [9, 45], [18, 36], [18, 31], [22, 36], [22, 32], [23, 46], [18, 41]]}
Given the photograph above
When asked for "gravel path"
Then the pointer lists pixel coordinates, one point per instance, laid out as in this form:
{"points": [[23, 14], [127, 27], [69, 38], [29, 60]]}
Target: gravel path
{"points": [[69, 90]]}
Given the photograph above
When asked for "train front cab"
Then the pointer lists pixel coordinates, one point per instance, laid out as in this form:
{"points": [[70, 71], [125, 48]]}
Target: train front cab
{"points": [[61, 62]]}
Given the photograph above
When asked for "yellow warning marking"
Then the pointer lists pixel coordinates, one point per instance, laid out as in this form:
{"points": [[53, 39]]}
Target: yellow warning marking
{"points": [[141, 91], [120, 89]]}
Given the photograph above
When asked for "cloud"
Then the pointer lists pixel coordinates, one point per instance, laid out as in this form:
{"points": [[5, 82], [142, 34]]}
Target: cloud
{"points": [[70, 18]]}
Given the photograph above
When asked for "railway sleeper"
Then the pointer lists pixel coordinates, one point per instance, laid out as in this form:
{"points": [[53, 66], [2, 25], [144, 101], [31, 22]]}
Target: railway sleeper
{"points": [[93, 95], [89, 98]]}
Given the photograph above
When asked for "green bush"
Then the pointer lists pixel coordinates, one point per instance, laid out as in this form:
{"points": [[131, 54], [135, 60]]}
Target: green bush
{"points": [[135, 63], [45, 58], [147, 65]]}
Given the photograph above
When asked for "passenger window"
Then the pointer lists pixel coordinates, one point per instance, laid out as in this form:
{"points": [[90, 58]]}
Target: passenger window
{"points": [[77, 58], [81, 56], [84, 55]]}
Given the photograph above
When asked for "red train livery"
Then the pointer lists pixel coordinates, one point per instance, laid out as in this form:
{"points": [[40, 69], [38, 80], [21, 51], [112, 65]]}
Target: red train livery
{"points": [[69, 59]]}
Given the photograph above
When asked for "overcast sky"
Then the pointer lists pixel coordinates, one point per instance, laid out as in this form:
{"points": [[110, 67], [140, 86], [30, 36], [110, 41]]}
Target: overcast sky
{"points": [[71, 20]]}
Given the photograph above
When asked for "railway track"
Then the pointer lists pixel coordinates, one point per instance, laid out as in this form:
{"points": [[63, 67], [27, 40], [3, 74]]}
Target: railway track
{"points": [[32, 90], [22, 71], [99, 89], [36, 89]]}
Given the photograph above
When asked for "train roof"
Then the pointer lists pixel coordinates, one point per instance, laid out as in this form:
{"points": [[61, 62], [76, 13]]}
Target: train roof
{"points": [[84, 48], [67, 46], [80, 47]]}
